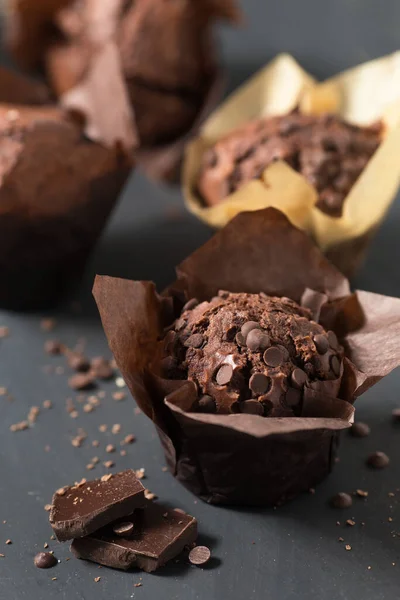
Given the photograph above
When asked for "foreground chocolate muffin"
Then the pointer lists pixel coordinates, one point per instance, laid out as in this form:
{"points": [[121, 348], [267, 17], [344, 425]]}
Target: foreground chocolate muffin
{"points": [[330, 153], [251, 353], [286, 335], [57, 190]]}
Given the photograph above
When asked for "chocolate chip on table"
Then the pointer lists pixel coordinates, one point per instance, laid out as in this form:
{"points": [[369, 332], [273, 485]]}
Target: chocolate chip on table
{"points": [[224, 375], [252, 407], [194, 341], [123, 529], [53, 347], [247, 327], [81, 381], [207, 404], [78, 362], [333, 341], [298, 378], [321, 343], [335, 365], [273, 357], [101, 368], [360, 430], [257, 340], [378, 460], [199, 555], [342, 500], [45, 560], [190, 304], [259, 383]]}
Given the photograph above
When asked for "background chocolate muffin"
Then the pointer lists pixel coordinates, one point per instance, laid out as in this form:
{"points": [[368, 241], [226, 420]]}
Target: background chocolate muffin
{"points": [[251, 353], [330, 153]]}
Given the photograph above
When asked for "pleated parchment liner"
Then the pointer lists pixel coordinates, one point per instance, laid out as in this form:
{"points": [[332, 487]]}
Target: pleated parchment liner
{"points": [[238, 458], [361, 96]]}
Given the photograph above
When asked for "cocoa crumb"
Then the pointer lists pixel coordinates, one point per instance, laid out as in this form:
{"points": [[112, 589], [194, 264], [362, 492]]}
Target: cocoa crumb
{"points": [[118, 396], [48, 324], [21, 426], [106, 477]]}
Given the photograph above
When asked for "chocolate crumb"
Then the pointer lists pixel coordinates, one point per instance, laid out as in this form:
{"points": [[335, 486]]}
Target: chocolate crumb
{"points": [[88, 408], [360, 429], [123, 529], [4, 332], [129, 439], [97, 579], [149, 495], [102, 428], [53, 347], [116, 428], [140, 473], [95, 443], [45, 545], [90, 467], [95, 460], [118, 396], [199, 555], [81, 381], [123, 453], [342, 500], [48, 324], [47, 404], [78, 362], [21, 426], [101, 368], [45, 560], [396, 415], [47, 507], [348, 547], [362, 493], [8, 542], [110, 448], [378, 460], [137, 584], [350, 522], [340, 539], [106, 477], [109, 464]]}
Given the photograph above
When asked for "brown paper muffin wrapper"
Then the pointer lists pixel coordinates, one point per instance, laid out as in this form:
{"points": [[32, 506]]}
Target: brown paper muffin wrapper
{"points": [[54, 203], [361, 96], [248, 459]]}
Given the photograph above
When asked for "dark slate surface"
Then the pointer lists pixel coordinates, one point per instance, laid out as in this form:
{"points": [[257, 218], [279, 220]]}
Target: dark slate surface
{"points": [[291, 553]]}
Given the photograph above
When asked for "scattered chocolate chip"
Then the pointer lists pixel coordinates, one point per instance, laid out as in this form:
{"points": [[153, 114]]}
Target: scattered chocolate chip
{"points": [[247, 327], [348, 547], [396, 414], [292, 397], [110, 448], [199, 555], [360, 429], [21, 426], [194, 341], [252, 407], [362, 493], [116, 428], [129, 439], [81, 381], [8, 542], [48, 324], [207, 404], [335, 365], [342, 500], [109, 464], [118, 396], [257, 340], [350, 522], [298, 378], [45, 560], [224, 375], [321, 343], [333, 341], [273, 357], [78, 362], [378, 460], [259, 383], [96, 579], [190, 304], [101, 368], [123, 529], [53, 347]]}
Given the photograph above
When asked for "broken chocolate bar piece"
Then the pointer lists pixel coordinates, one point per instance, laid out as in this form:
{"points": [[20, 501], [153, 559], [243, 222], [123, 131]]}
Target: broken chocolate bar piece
{"points": [[159, 535], [85, 507]]}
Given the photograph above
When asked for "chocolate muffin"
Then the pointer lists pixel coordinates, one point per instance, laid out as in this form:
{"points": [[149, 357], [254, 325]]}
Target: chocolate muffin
{"points": [[252, 353], [330, 153]]}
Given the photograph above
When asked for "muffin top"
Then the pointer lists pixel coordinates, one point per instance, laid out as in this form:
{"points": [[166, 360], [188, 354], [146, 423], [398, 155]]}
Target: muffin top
{"points": [[327, 151], [251, 353]]}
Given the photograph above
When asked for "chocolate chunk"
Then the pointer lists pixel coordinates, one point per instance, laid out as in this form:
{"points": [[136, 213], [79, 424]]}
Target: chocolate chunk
{"points": [[378, 460], [159, 535], [240, 340], [298, 378], [342, 500], [78, 362], [190, 304], [335, 365], [194, 341], [53, 347], [292, 397], [124, 529], [360, 429], [257, 340], [81, 381], [84, 508], [321, 343], [101, 368], [249, 326], [224, 375], [45, 560], [199, 555], [207, 404], [333, 341], [273, 357], [251, 407], [259, 383]]}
